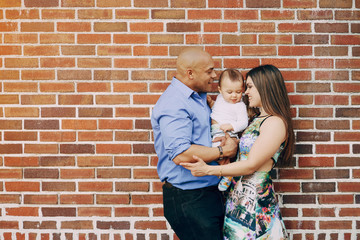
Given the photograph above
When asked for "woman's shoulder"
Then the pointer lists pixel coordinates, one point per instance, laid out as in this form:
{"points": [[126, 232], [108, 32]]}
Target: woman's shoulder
{"points": [[273, 122], [273, 125]]}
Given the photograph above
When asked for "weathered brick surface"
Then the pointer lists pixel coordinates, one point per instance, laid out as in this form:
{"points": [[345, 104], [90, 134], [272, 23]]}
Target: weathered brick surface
{"points": [[79, 79]]}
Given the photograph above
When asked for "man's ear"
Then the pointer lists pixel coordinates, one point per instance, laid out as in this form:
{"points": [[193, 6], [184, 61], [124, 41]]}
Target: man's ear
{"points": [[189, 73]]}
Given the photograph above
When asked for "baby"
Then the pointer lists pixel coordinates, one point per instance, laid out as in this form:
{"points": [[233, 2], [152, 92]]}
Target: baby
{"points": [[229, 113]]}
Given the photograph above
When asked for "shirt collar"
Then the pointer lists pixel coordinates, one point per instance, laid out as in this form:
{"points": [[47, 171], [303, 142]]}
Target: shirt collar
{"points": [[185, 90], [188, 92]]}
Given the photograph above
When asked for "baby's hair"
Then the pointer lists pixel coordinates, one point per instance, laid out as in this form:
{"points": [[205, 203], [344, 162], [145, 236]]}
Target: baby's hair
{"points": [[234, 75]]}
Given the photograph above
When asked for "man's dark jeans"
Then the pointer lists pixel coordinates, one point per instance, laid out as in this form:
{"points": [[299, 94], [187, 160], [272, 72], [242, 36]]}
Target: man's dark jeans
{"points": [[194, 214]]}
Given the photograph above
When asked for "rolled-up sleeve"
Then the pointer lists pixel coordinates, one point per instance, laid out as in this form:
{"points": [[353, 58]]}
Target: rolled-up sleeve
{"points": [[176, 130]]}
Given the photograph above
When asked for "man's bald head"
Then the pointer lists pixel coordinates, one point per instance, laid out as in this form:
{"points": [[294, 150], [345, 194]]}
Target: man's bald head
{"points": [[189, 59], [195, 68]]}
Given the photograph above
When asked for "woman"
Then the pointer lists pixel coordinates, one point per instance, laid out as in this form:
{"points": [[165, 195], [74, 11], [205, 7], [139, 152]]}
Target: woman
{"points": [[252, 211]]}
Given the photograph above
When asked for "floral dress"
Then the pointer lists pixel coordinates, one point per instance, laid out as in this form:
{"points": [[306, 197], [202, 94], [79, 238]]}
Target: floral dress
{"points": [[252, 211]]}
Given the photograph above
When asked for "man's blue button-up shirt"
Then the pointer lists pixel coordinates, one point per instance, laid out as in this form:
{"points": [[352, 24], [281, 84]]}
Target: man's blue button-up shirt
{"points": [[180, 118]]}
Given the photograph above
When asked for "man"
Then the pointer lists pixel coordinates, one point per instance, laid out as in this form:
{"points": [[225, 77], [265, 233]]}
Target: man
{"points": [[181, 122]]}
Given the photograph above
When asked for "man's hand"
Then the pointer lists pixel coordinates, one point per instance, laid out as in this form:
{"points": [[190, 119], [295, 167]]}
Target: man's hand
{"points": [[230, 146]]}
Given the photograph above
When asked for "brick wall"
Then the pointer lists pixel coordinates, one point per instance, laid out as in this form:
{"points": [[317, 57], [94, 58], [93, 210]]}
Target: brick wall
{"points": [[79, 78]]}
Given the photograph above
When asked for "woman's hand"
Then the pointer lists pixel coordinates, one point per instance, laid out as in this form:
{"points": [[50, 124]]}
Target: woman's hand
{"points": [[198, 168]]}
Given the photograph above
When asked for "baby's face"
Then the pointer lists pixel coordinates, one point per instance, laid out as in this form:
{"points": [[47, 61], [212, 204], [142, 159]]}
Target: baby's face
{"points": [[231, 90]]}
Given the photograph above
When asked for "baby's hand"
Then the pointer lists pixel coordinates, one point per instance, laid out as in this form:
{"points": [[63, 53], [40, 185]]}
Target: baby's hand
{"points": [[226, 127], [210, 101]]}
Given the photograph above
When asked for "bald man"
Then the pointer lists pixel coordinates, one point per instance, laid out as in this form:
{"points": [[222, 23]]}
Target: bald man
{"points": [[181, 122]]}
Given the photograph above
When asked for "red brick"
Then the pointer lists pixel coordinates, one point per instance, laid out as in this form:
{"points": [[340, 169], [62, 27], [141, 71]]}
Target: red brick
{"points": [[257, 27], [57, 87], [336, 199], [9, 27], [10, 50], [150, 225], [145, 99], [301, 99], [263, 4], [10, 173], [95, 112], [94, 211], [58, 186], [332, 149], [110, 27], [37, 27], [77, 148], [130, 161], [23, 211], [336, 225], [6, 4], [204, 14], [132, 211], [316, 63], [294, 27], [353, 212], [84, 224], [21, 161], [275, 39], [225, 4], [277, 15], [149, 27], [9, 225], [284, 187], [345, 40], [77, 173], [294, 51], [299, 4], [113, 148], [131, 136], [10, 198], [95, 186], [22, 186], [347, 136], [349, 186], [346, 15], [58, 212], [258, 50], [13, 87], [202, 39], [148, 75], [11, 149], [95, 136], [94, 62], [113, 173], [280, 62], [79, 124], [335, 4], [300, 225], [320, 212], [315, 15], [132, 186], [115, 124], [93, 38], [221, 27], [113, 199]]}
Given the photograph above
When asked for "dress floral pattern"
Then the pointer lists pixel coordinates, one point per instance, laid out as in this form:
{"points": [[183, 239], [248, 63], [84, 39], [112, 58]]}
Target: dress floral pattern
{"points": [[252, 211]]}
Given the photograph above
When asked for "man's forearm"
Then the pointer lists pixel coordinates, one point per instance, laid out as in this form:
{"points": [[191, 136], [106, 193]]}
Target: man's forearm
{"points": [[208, 154]]}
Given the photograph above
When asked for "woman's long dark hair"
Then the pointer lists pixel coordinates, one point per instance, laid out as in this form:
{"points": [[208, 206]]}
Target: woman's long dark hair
{"points": [[270, 84]]}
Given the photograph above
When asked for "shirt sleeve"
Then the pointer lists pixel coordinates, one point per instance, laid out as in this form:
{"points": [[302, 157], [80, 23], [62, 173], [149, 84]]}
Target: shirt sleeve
{"points": [[176, 129]]}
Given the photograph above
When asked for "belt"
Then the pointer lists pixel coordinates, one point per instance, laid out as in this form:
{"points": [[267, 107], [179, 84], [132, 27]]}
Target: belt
{"points": [[169, 185]]}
